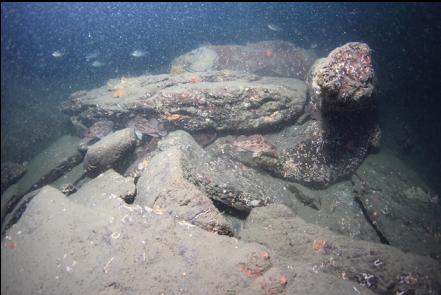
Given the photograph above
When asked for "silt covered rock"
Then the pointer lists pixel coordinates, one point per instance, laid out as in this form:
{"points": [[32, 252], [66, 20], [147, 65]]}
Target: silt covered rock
{"points": [[333, 145], [399, 205], [100, 191], [110, 151], [164, 188], [220, 100]]}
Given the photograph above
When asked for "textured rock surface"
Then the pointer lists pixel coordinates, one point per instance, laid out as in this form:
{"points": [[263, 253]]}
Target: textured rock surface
{"points": [[331, 147], [123, 244], [163, 187], [99, 130], [267, 58], [310, 153], [383, 185], [72, 176], [240, 187], [110, 151], [222, 179], [125, 249], [149, 127], [47, 166], [108, 185], [307, 247], [342, 81], [208, 100], [128, 241], [11, 173]]}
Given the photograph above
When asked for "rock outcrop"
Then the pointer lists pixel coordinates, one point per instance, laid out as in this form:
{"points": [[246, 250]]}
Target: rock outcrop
{"points": [[254, 162], [306, 153], [164, 188], [227, 101], [343, 81]]}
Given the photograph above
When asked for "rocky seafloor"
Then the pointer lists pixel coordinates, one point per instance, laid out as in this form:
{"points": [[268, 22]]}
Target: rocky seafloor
{"points": [[227, 177]]}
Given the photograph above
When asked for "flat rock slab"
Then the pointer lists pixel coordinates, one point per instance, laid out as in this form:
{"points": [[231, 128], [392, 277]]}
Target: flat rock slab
{"points": [[46, 167], [219, 100], [108, 185], [337, 212], [74, 176], [266, 58], [58, 245], [310, 248], [399, 204]]}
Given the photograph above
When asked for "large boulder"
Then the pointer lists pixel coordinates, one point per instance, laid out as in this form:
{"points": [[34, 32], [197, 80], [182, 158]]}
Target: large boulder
{"points": [[266, 58], [335, 143], [222, 100], [110, 152], [184, 164], [164, 188]]}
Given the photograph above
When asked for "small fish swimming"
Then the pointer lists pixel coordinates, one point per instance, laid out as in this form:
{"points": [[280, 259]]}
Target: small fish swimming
{"points": [[98, 64], [91, 56], [138, 53], [313, 46], [274, 27], [57, 54]]}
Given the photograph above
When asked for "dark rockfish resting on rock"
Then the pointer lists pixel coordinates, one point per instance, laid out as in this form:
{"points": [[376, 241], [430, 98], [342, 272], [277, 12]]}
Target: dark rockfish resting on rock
{"points": [[232, 168]]}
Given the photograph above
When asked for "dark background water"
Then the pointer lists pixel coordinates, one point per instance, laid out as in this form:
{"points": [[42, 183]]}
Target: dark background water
{"points": [[405, 38]]}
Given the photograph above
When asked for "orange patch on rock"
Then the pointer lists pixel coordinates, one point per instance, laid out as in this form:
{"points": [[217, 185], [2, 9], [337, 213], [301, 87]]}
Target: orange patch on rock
{"points": [[318, 245], [264, 255], [119, 92], [268, 53], [195, 79], [283, 280], [11, 245], [172, 117], [252, 274]]}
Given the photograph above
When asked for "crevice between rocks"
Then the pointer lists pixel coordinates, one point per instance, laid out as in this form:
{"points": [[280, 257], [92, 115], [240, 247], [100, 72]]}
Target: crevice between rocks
{"points": [[382, 238]]}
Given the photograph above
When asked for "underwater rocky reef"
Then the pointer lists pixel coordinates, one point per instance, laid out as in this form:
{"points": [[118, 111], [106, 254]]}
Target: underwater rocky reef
{"points": [[248, 169]]}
